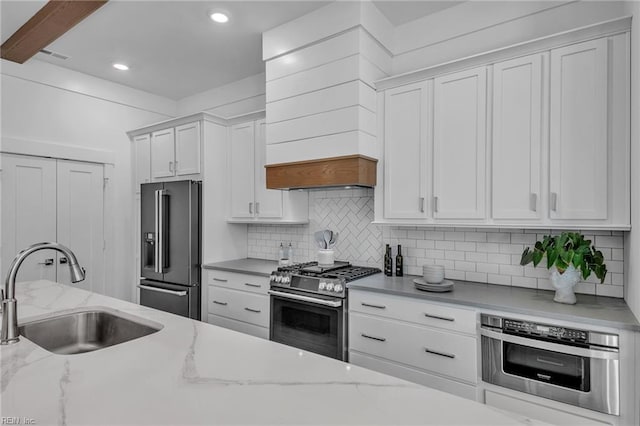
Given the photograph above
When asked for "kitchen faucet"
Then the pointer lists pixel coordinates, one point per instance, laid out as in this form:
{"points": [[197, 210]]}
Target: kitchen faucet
{"points": [[10, 332]]}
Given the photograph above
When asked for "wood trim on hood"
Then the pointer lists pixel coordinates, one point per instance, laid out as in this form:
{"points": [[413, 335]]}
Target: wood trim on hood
{"points": [[349, 170]]}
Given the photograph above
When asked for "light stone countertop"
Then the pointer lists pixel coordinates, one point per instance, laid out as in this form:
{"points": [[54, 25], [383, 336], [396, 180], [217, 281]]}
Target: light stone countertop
{"points": [[260, 267], [191, 372], [591, 310]]}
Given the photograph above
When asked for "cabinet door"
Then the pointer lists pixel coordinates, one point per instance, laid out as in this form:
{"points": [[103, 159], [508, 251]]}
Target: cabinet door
{"points": [[142, 149], [406, 151], [268, 201], [241, 168], [578, 131], [28, 214], [162, 153], [80, 221], [517, 92], [187, 160], [459, 145]]}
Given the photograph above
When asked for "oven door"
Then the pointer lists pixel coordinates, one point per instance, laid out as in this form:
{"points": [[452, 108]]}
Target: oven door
{"points": [[584, 377], [311, 323]]}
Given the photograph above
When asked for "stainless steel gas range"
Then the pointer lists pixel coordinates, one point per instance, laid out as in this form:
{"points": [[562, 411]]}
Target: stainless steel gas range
{"points": [[309, 306]]}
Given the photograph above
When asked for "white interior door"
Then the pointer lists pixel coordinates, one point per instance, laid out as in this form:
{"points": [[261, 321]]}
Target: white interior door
{"points": [[80, 220], [28, 213]]}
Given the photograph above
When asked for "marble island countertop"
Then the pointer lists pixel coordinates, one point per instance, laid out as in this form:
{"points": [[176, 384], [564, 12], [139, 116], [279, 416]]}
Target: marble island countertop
{"points": [[192, 372]]}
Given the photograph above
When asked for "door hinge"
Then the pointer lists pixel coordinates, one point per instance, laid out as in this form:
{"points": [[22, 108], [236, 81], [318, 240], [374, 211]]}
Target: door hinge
{"points": [[105, 181]]}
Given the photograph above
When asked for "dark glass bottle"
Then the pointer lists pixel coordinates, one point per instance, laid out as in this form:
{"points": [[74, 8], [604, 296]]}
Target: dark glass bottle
{"points": [[388, 262], [399, 262]]}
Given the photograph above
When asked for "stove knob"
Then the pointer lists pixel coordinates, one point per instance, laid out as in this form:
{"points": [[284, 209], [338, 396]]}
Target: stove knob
{"points": [[338, 288], [322, 285], [329, 286], [279, 278]]}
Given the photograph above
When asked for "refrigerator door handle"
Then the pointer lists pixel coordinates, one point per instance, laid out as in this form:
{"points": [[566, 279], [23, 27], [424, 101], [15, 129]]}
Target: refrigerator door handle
{"points": [[160, 225], [162, 290]]}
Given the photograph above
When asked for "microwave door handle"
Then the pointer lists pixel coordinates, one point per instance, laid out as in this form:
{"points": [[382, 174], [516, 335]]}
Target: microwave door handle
{"points": [[601, 353]]}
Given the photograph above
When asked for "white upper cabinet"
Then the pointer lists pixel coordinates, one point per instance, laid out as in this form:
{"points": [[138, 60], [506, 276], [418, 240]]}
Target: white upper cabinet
{"points": [[539, 138], [517, 144], [242, 170], [406, 151], [175, 152], [142, 150], [162, 153], [187, 160], [578, 131], [268, 201], [251, 201], [459, 145]]}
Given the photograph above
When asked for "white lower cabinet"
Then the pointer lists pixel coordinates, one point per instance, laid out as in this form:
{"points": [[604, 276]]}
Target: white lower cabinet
{"points": [[238, 301], [427, 343]]}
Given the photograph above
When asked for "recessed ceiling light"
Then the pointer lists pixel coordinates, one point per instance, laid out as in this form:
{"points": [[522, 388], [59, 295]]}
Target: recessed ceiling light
{"points": [[121, 67], [219, 17]]}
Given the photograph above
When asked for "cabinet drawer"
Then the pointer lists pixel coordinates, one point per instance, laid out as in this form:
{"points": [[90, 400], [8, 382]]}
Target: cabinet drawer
{"points": [[413, 310], [239, 305], [440, 352], [237, 281], [413, 375], [242, 327]]}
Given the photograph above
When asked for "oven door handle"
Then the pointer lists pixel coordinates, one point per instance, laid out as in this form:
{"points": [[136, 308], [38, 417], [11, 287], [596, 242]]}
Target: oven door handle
{"points": [[539, 344], [330, 303]]}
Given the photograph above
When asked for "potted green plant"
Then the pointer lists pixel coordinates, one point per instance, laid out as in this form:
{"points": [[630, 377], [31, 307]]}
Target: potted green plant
{"points": [[569, 256]]}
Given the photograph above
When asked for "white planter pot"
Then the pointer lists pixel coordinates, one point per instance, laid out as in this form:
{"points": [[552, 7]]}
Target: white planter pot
{"points": [[564, 284]]}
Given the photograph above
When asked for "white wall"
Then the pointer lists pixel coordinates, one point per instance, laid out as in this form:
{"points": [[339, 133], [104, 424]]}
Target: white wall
{"points": [[61, 109], [632, 242], [237, 98]]}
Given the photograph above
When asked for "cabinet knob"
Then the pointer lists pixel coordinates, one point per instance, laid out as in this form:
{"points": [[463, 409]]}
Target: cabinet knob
{"points": [[533, 201], [250, 208], [554, 201]]}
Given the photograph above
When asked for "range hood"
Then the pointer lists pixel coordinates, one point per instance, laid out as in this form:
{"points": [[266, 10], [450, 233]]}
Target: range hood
{"points": [[323, 173]]}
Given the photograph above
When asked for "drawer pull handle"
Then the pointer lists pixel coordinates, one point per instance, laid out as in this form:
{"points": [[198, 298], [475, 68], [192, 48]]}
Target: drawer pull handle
{"points": [[373, 306], [220, 303], [444, 354], [220, 280], [439, 317], [252, 285], [379, 339], [256, 311]]}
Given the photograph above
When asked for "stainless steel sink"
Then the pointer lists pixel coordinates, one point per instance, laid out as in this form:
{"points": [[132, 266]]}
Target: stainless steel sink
{"points": [[86, 330]]}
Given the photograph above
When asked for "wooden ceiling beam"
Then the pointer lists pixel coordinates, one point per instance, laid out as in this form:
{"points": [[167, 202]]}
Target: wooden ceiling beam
{"points": [[54, 19]]}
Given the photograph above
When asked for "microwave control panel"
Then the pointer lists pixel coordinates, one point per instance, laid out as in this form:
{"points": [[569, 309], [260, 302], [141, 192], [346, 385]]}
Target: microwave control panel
{"points": [[542, 330]]}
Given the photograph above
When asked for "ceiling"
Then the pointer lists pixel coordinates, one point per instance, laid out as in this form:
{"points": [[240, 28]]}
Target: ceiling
{"points": [[172, 48]]}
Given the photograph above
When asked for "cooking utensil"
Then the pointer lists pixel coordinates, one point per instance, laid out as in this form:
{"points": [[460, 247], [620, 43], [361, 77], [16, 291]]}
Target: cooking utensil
{"points": [[319, 237], [328, 234], [334, 239]]}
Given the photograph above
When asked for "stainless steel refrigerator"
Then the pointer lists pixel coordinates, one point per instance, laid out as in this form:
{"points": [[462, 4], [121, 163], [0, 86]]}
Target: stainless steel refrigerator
{"points": [[171, 247]]}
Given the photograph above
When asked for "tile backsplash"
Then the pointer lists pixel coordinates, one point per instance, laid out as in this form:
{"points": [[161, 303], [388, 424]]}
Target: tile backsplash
{"points": [[488, 255]]}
